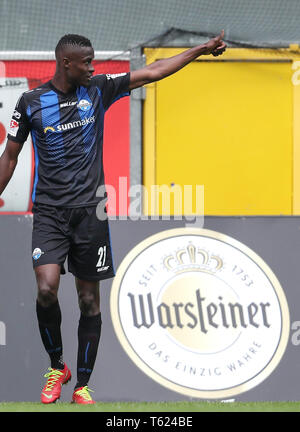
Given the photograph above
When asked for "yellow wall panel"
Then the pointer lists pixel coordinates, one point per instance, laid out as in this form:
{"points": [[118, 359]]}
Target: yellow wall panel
{"points": [[296, 129], [227, 125]]}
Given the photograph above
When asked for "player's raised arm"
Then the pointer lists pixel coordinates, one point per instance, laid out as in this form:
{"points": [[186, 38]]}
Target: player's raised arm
{"points": [[8, 162], [165, 67]]}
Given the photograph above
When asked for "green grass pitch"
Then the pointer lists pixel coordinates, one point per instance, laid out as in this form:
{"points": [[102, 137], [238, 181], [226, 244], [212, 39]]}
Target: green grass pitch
{"points": [[174, 407]]}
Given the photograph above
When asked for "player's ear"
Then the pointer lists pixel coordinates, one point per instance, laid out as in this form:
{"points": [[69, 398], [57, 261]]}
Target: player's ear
{"points": [[66, 62]]}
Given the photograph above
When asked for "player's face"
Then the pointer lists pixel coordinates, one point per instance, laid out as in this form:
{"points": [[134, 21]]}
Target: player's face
{"points": [[79, 65]]}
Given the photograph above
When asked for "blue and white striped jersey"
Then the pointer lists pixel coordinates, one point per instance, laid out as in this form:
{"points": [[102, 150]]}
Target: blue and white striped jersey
{"points": [[67, 135]]}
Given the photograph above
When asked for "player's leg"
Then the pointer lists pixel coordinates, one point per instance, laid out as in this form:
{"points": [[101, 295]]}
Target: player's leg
{"points": [[48, 312], [90, 260], [50, 245], [89, 331], [49, 321]]}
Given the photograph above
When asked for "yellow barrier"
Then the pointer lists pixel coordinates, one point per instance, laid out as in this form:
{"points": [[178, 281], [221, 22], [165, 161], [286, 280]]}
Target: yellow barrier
{"points": [[230, 124]]}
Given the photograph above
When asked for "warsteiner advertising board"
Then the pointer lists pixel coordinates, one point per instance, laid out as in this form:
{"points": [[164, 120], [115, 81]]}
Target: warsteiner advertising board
{"points": [[200, 313]]}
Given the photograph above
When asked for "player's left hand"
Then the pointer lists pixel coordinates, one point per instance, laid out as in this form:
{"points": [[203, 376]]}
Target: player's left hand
{"points": [[215, 46]]}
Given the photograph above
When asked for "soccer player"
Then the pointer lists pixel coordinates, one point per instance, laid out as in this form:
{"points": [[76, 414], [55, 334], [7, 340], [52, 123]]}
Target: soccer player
{"points": [[65, 117]]}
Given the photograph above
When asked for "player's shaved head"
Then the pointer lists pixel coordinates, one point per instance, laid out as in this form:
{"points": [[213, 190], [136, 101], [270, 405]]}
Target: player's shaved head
{"points": [[74, 55], [71, 41]]}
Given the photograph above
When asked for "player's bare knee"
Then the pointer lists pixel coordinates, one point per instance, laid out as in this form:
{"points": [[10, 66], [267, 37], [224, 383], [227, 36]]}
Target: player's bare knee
{"points": [[88, 304], [47, 294], [47, 277]]}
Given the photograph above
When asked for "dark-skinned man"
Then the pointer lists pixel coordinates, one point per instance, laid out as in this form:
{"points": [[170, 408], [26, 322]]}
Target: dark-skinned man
{"points": [[65, 117]]}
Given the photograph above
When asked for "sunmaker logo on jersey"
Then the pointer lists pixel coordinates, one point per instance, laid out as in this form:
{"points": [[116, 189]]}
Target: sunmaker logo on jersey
{"points": [[200, 313], [70, 125], [49, 129]]}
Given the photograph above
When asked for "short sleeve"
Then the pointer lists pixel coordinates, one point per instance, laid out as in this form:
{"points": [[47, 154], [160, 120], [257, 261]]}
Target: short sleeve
{"points": [[113, 87], [19, 126]]}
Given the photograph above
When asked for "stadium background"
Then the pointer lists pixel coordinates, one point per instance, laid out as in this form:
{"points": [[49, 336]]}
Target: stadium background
{"points": [[230, 124]]}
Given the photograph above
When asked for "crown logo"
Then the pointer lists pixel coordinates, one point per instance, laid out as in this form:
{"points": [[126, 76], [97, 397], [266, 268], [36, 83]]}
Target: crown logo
{"points": [[192, 258]]}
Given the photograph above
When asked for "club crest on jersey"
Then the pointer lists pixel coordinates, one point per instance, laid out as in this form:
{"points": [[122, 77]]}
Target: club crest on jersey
{"points": [[84, 105], [37, 253]]}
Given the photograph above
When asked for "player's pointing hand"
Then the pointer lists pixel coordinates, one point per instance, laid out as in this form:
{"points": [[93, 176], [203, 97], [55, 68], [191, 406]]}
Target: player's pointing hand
{"points": [[216, 46]]}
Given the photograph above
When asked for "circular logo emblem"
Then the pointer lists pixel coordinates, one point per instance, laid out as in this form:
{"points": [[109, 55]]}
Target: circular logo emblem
{"points": [[37, 253], [84, 105], [200, 313]]}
